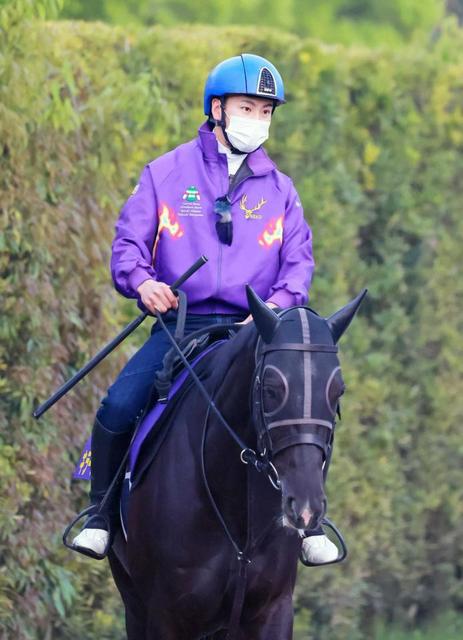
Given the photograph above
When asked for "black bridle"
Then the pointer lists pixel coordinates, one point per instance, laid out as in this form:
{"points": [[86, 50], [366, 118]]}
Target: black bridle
{"points": [[264, 427]]}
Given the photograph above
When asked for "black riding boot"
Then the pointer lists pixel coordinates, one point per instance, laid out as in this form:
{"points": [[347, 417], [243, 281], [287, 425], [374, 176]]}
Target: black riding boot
{"points": [[108, 449]]}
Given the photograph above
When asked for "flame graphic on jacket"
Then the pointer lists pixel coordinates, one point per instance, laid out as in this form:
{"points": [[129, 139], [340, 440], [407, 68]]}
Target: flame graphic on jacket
{"points": [[168, 221], [273, 232]]}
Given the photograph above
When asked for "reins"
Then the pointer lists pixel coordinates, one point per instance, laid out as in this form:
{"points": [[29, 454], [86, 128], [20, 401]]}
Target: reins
{"points": [[247, 455]]}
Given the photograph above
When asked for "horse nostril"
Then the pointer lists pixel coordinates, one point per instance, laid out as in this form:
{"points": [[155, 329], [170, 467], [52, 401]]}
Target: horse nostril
{"points": [[291, 506]]}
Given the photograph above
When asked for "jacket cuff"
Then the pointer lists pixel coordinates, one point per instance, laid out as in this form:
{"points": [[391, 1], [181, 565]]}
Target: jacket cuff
{"points": [[137, 276], [282, 299]]}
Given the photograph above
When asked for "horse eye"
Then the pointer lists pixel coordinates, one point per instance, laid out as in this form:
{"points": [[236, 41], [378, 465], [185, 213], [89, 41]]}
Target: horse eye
{"points": [[335, 389], [274, 390]]}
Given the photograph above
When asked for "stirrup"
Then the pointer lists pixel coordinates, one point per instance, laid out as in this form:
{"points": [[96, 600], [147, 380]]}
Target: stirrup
{"points": [[92, 512], [341, 557]]}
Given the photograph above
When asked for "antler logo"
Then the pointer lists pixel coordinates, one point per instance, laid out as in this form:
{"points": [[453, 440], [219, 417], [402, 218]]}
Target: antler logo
{"points": [[250, 212]]}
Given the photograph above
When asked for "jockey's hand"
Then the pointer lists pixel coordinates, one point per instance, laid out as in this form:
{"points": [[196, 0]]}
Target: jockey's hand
{"points": [[157, 296], [271, 305]]}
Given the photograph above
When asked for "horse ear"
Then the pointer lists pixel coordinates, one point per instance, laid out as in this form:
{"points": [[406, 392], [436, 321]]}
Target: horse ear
{"points": [[340, 320], [265, 318]]}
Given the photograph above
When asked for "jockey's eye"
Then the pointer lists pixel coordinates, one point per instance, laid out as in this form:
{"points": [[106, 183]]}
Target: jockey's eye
{"points": [[274, 390]]}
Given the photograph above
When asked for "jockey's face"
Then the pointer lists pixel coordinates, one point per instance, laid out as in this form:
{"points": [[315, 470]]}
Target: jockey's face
{"points": [[243, 106]]}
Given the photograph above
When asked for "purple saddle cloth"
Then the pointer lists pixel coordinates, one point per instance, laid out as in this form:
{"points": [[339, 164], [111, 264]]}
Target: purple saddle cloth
{"points": [[149, 421]]}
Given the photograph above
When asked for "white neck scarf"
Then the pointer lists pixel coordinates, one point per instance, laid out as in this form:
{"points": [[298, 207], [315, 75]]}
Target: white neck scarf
{"points": [[234, 160]]}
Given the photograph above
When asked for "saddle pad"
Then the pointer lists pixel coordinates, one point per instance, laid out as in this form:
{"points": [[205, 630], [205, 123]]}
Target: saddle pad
{"points": [[147, 424]]}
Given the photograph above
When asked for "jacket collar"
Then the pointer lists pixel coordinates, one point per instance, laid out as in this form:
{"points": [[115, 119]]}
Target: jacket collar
{"points": [[258, 161]]}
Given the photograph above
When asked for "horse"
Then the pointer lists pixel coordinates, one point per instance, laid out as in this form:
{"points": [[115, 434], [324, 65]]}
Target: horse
{"points": [[212, 544]]}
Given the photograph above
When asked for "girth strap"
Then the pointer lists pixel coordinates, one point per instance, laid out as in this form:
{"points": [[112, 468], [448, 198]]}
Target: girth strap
{"points": [[238, 599]]}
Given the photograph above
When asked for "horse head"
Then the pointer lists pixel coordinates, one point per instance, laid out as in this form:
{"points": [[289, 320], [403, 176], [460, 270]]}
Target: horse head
{"points": [[296, 391]]}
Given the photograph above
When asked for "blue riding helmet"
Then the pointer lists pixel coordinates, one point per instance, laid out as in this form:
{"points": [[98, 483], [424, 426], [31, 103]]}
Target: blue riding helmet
{"points": [[244, 74]]}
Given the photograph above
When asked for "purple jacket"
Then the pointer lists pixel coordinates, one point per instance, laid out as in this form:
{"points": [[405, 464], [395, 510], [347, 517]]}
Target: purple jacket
{"points": [[169, 221]]}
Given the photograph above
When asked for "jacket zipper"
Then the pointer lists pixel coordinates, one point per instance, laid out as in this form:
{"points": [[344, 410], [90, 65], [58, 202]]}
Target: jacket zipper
{"points": [[229, 192], [219, 270]]}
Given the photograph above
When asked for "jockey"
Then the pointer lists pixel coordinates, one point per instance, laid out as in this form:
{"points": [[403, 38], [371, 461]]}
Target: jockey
{"points": [[218, 195]]}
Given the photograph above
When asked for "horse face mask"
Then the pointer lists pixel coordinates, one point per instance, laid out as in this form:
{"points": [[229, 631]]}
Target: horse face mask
{"points": [[296, 391], [298, 382], [298, 379]]}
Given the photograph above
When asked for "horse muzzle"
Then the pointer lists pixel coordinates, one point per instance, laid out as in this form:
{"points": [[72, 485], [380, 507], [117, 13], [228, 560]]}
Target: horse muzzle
{"points": [[300, 514]]}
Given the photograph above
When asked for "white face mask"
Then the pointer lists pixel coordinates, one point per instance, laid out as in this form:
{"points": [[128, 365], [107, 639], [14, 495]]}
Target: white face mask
{"points": [[247, 134]]}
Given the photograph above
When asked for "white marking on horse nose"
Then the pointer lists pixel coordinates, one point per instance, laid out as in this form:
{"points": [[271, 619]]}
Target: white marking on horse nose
{"points": [[306, 516]]}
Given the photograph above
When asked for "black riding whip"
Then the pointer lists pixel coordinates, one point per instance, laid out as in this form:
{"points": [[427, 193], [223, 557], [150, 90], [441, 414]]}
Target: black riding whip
{"points": [[110, 346]]}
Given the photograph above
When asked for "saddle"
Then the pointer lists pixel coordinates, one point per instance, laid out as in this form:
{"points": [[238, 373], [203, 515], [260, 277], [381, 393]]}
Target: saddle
{"points": [[191, 346]]}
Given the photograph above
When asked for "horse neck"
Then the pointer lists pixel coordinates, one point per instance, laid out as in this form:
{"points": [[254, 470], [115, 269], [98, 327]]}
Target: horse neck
{"points": [[233, 394], [222, 452], [245, 500]]}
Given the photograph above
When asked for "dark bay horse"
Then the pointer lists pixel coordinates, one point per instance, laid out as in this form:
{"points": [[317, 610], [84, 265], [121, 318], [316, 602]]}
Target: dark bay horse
{"points": [[210, 540]]}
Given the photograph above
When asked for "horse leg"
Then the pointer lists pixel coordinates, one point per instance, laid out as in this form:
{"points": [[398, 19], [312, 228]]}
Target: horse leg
{"points": [[276, 624], [135, 613]]}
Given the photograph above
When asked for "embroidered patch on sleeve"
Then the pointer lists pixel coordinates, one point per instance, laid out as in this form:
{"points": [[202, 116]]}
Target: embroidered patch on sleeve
{"points": [[169, 223], [273, 232]]}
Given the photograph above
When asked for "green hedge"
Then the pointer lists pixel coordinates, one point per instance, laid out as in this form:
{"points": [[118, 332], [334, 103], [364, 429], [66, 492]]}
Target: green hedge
{"points": [[374, 143]]}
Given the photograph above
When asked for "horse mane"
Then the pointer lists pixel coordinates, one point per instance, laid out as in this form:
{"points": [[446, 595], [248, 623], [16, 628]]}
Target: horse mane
{"points": [[223, 358], [213, 369]]}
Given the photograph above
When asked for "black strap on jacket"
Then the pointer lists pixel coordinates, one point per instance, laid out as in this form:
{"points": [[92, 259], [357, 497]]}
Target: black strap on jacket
{"points": [[222, 206]]}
